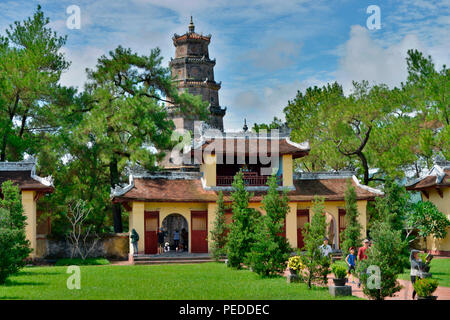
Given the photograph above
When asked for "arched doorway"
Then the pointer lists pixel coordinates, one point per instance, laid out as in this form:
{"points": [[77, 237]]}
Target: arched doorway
{"points": [[176, 222], [331, 232]]}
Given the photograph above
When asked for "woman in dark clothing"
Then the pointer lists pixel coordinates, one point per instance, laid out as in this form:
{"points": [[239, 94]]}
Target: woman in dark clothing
{"points": [[184, 239], [160, 241]]}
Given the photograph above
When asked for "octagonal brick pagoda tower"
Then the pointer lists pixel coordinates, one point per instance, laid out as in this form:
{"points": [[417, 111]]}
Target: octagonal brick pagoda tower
{"points": [[192, 69]]}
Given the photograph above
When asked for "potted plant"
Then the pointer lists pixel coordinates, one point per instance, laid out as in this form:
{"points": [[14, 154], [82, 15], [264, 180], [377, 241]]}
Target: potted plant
{"points": [[294, 264], [339, 275], [425, 288]]}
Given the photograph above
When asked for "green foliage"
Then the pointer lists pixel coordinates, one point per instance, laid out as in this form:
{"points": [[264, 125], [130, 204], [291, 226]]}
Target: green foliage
{"points": [[393, 206], [425, 287], [375, 126], [339, 271], [31, 64], [275, 124], [351, 236], [271, 249], [14, 247], [316, 265], [218, 234], [425, 218], [83, 262], [386, 253], [243, 229]]}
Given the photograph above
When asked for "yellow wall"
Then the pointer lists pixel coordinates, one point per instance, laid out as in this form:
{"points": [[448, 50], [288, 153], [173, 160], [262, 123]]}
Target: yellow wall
{"points": [[137, 222], [288, 179], [208, 169], [184, 209], [29, 206], [443, 204]]}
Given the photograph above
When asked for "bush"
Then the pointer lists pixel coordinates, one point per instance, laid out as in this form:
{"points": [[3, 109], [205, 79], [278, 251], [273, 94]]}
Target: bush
{"points": [[425, 287], [295, 263], [271, 249], [241, 236], [218, 234], [339, 271], [81, 262], [14, 247], [351, 236], [316, 265], [386, 254]]}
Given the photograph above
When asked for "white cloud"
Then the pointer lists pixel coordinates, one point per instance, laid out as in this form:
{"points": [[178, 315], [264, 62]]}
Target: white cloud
{"points": [[260, 105], [364, 59], [82, 58]]}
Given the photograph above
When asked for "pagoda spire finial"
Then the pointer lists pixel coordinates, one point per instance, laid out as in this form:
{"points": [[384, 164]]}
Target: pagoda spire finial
{"points": [[245, 128], [191, 26]]}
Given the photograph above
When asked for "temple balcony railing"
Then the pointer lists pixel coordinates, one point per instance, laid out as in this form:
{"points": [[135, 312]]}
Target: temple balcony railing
{"points": [[250, 179]]}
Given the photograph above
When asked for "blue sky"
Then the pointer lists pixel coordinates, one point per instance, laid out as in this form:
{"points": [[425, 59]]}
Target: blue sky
{"points": [[266, 50]]}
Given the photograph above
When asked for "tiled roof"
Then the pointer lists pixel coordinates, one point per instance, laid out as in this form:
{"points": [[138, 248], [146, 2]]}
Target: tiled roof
{"points": [[253, 146], [22, 175], [191, 190], [437, 178]]}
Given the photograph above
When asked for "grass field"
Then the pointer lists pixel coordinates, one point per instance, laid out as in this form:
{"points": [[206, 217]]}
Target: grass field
{"points": [[191, 281]]}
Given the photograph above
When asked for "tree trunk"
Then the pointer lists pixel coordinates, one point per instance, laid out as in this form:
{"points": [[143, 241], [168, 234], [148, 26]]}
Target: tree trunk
{"points": [[116, 209], [365, 166]]}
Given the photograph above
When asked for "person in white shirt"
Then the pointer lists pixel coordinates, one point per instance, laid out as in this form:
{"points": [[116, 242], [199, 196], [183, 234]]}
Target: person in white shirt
{"points": [[325, 248]]}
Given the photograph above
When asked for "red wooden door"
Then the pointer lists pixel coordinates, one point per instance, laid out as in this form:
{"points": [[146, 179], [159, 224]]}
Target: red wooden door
{"points": [[302, 218], [151, 223], [199, 231], [341, 224]]}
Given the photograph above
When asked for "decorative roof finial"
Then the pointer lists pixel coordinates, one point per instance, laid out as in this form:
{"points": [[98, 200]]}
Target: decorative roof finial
{"points": [[191, 26], [245, 125]]}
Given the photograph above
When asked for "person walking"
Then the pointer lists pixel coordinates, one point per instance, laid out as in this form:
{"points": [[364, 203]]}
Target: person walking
{"points": [[134, 241], [362, 256], [351, 262], [416, 268]]}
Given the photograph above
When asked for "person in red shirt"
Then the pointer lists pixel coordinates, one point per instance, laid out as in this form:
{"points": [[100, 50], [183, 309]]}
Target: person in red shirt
{"points": [[362, 256]]}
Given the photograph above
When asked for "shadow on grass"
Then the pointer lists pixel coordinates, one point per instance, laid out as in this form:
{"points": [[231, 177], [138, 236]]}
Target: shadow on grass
{"points": [[10, 298], [13, 283], [28, 273]]}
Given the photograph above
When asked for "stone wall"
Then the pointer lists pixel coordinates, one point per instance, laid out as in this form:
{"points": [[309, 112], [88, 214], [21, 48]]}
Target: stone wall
{"points": [[114, 246]]}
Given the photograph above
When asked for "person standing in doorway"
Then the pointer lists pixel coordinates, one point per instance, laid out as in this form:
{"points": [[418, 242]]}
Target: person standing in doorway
{"points": [[134, 241], [160, 241], [184, 239], [176, 239]]}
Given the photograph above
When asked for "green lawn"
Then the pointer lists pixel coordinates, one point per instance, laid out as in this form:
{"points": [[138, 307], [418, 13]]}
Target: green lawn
{"points": [[191, 282], [440, 269]]}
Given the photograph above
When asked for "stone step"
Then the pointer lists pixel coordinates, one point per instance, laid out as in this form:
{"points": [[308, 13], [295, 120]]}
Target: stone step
{"points": [[168, 261], [171, 258]]}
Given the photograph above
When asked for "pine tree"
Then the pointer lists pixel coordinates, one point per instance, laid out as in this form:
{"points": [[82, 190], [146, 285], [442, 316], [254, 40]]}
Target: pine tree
{"points": [[245, 221], [351, 236], [14, 247], [316, 265], [392, 207], [218, 234], [271, 249]]}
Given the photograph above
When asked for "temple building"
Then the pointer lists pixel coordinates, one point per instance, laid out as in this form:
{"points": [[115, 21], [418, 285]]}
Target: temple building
{"points": [[435, 187], [32, 187], [177, 199]]}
